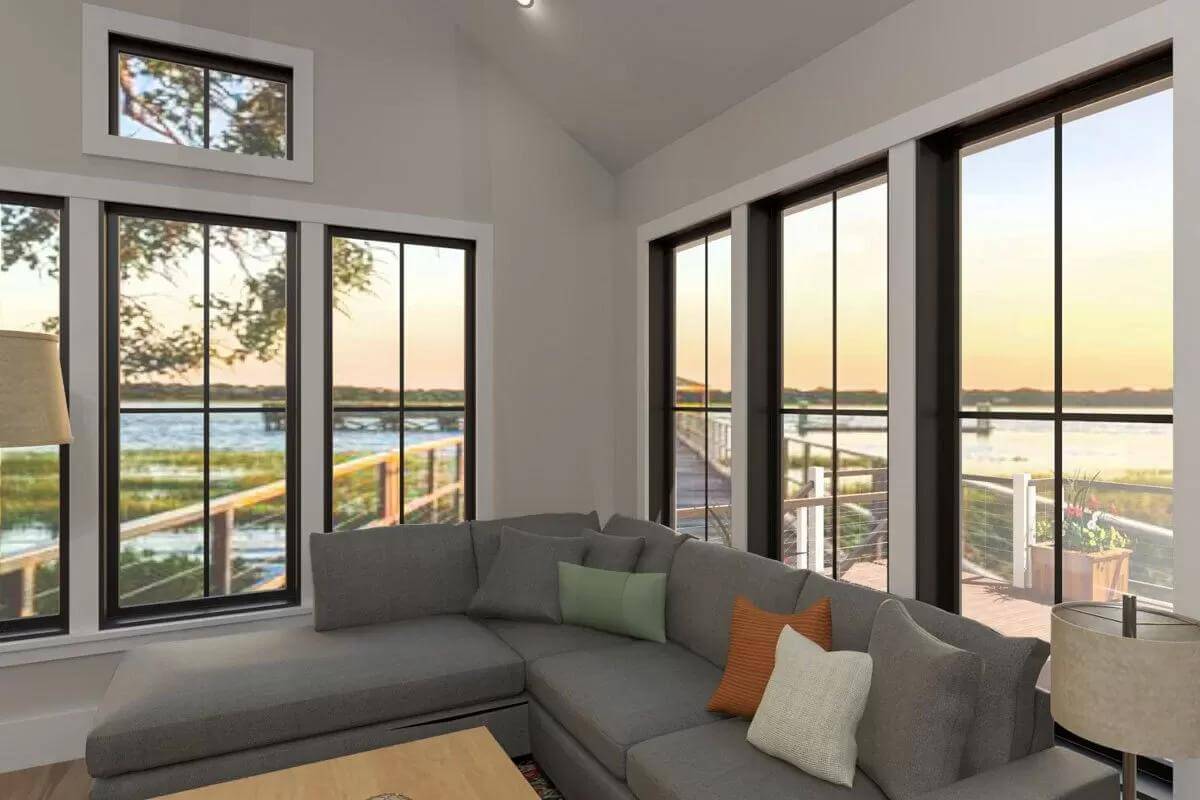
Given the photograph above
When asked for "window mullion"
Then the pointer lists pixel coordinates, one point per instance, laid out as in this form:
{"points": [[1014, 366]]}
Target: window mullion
{"points": [[206, 412], [207, 112], [834, 398], [1058, 359], [403, 395]]}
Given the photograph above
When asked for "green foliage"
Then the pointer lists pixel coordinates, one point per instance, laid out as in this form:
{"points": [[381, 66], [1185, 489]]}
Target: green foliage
{"points": [[147, 577], [1085, 528]]}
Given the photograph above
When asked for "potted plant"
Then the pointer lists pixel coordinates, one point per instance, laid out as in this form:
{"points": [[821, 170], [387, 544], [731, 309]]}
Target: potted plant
{"points": [[1095, 554]]}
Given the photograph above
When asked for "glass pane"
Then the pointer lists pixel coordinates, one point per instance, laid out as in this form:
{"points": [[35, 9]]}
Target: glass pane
{"points": [[29, 476], [248, 115], [1118, 533], [29, 252], [247, 315], [161, 507], [247, 504], [720, 477], [1007, 524], [366, 322], [807, 514], [863, 501], [691, 477], [720, 320], [435, 325], [862, 279], [1117, 258], [29, 532], [808, 305], [690, 310], [1008, 271], [160, 101], [161, 265], [434, 467], [366, 473]]}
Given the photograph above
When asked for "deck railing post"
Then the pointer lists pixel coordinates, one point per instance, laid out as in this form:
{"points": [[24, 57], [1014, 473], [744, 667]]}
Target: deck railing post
{"points": [[388, 472], [220, 531], [1024, 521], [28, 588], [460, 471], [810, 533], [431, 481]]}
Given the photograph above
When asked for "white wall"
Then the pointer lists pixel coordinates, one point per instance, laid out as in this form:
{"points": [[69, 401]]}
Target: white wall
{"points": [[411, 118]]}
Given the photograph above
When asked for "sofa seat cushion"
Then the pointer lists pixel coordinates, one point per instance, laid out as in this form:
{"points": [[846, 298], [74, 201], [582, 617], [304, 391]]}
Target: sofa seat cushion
{"points": [[715, 762], [180, 701], [534, 640], [613, 698]]}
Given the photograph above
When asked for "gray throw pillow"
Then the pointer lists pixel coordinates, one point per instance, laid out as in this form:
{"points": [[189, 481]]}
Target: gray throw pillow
{"points": [[661, 541], [617, 553], [523, 580], [920, 709]]}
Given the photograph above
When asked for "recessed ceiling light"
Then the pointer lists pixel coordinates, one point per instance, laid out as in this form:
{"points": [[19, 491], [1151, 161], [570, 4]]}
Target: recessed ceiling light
{"points": [[525, 3]]}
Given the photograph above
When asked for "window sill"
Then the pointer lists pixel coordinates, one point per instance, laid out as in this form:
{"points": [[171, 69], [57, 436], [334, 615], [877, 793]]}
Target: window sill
{"points": [[118, 640]]}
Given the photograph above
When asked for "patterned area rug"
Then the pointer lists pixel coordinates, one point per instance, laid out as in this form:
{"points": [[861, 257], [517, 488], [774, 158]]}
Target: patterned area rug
{"points": [[540, 783]]}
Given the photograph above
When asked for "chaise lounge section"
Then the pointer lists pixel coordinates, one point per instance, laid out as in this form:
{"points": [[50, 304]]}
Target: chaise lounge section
{"points": [[393, 657]]}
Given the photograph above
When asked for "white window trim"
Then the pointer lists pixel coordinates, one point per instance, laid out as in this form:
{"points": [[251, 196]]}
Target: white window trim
{"points": [[84, 195], [99, 22]]}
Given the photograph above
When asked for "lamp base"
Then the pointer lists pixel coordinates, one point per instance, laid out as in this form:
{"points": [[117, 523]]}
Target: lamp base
{"points": [[1129, 760]]}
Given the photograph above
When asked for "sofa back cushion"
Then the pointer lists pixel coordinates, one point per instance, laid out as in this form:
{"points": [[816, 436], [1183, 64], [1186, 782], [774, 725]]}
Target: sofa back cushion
{"points": [[661, 541], [1004, 725], [389, 574], [706, 578], [486, 532]]}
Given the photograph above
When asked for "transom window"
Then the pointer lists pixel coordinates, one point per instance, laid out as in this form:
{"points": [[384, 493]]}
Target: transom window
{"points": [[400, 425], [200, 440], [176, 95], [33, 480]]}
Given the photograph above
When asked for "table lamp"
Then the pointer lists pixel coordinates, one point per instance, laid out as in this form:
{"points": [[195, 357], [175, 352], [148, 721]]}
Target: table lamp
{"points": [[1126, 678], [33, 405]]}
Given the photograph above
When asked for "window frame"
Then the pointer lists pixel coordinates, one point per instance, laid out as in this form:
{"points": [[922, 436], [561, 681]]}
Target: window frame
{"points": [[939, 336], [100, 23], [119, 43], [767, 314], [112, 615], [663, 406], [57, 624], [467, 408]]}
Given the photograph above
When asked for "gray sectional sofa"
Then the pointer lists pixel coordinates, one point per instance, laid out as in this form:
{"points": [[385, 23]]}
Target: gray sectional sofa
{"points": [[392, 657]]}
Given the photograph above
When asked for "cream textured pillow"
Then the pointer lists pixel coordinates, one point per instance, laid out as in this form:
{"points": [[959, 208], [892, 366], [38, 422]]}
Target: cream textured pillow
{"points": [[811, 708]]}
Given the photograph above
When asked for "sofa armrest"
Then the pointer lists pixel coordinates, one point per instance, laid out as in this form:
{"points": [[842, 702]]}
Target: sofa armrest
{"points": [[388, 574], [1053, 774]]}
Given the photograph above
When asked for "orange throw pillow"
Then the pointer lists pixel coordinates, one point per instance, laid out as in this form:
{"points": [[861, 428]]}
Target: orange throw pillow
{"points": [[753, 635]]}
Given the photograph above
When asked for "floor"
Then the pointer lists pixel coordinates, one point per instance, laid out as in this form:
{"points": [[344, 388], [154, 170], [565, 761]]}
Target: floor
{"points": [[70, 781]]}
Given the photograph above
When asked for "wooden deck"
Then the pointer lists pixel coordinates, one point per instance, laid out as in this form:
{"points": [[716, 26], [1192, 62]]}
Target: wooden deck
{"points": [[1013, 612]]}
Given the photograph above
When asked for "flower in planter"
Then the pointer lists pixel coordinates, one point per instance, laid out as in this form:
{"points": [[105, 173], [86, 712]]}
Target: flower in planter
{"points": [[1085, 528]]}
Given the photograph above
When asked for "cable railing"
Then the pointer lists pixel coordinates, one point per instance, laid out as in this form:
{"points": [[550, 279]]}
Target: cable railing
{"points": [[435, 498]]}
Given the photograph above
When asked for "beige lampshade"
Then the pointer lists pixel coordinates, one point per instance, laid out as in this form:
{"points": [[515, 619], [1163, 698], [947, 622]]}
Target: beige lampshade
{"points": [[33, 405], [1139, 695]]}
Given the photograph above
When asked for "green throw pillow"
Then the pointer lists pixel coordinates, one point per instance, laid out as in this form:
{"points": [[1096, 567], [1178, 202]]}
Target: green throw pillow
{"points": [[628, 603]]}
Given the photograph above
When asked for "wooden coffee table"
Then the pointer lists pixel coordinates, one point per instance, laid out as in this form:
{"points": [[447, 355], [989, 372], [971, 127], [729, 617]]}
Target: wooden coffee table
{"points": [[466, 765]]}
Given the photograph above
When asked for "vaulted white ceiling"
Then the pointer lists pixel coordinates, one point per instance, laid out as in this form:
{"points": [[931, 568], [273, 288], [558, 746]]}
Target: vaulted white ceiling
{"points": [[626, 77]]}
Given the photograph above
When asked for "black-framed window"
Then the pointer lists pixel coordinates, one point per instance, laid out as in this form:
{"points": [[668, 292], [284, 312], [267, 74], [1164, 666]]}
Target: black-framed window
{"points": [[34, 539], [692, 420], [177, 95], [200, 411], [1045, 385], [1060, 408], [400, 421], [830, 387]]}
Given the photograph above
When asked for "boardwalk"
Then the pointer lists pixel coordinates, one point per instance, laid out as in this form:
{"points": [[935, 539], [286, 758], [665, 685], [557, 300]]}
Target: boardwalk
{"points": [[689, 489], [1013, 612]]}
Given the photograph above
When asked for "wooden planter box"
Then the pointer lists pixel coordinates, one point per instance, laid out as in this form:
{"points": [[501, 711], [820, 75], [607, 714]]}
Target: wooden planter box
{"points": [[1101, 577]]}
